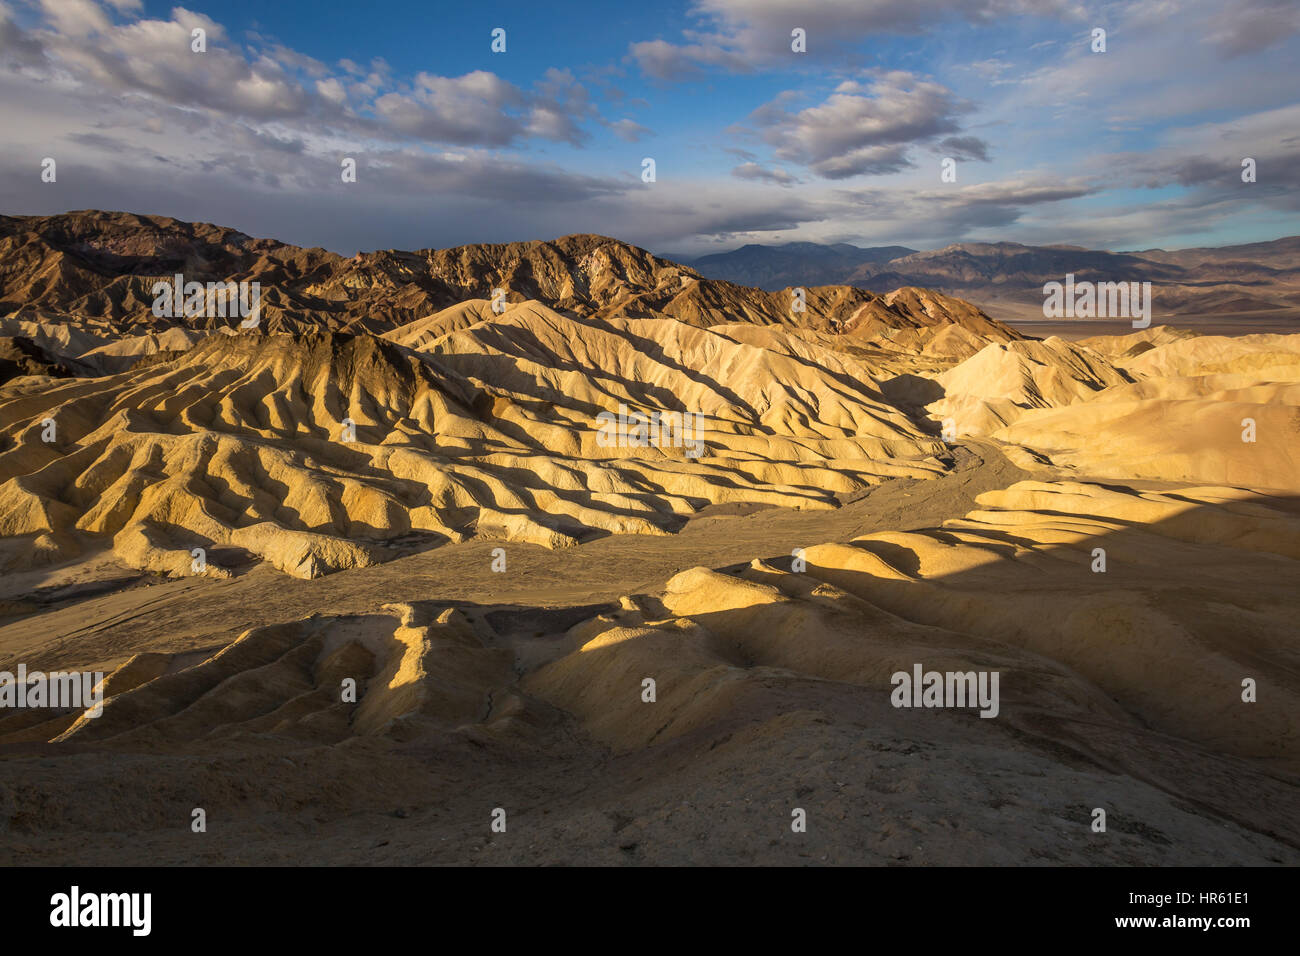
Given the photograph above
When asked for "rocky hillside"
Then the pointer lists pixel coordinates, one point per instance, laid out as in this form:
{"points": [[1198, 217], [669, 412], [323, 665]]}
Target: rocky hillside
{"points": [[93, 265]]}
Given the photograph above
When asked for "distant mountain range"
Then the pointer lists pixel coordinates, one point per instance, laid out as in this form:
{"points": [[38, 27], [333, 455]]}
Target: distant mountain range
{"points": [[103, 266], [1244, 278], [810, 263]]}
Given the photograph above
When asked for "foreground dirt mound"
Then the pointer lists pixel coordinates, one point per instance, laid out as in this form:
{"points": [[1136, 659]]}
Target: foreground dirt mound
{"points": [[1114, 664], [314, 681], [712, 708]]}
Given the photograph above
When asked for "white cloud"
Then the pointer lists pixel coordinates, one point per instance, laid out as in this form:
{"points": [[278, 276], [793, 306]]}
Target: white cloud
{"points": [[746, 35], [774, 175], [81, 49], [76, 18], [629, 131], [332, 90], [863, 128]]}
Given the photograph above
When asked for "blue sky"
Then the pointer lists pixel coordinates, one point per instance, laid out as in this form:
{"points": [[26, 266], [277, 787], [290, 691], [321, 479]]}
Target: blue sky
{"points": [[1135, 147]]}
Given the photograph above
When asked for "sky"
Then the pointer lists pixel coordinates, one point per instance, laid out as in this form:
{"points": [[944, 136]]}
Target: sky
{"points": [[1049, 139]]}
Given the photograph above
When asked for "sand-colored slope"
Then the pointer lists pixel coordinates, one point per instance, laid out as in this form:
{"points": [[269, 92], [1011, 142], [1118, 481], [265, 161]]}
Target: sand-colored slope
{"points": [[315, 452], [1199, 440], [91, 347], [1206, 409], [1009, 586], [317, 680], [1155, 404], [1260, 355], [998, 384]]}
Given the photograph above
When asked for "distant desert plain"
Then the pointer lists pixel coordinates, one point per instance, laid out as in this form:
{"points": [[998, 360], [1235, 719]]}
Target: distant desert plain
{"points": [[558, 552]]}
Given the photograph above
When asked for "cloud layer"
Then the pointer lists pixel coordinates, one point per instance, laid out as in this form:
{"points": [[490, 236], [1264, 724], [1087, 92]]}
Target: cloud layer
{"points": [[1052, 143]]}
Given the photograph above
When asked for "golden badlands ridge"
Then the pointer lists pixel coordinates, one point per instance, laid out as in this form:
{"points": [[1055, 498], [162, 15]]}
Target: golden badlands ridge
{"points": [[350, 471]]}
